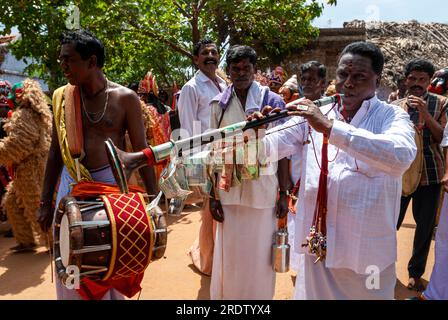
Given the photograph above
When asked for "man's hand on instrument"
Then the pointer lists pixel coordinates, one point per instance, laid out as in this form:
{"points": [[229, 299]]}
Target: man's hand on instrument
{"points": [[308, 110], [258, 115], [45, 217], [282, 205]]}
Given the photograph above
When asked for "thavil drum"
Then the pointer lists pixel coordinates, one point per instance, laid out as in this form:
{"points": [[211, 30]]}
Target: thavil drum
{"points": [[109, 237]]}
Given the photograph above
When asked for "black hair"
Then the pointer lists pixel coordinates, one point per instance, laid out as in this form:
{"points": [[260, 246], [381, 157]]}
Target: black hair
{"points": [[421, 65], [86, 44], [368, 50], [237, 53], [321, 69], [197, 46], [152, 99], [133, 86], [163, 93], [398, 78]]}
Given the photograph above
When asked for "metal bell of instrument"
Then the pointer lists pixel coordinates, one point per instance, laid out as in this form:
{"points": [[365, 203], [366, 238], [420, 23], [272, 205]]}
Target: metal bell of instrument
{"points": [[280, 251], [172, 182]]}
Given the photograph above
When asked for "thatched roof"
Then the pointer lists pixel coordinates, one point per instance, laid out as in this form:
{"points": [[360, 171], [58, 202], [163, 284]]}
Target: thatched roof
{"points": [[401, 42], [4, 41]]}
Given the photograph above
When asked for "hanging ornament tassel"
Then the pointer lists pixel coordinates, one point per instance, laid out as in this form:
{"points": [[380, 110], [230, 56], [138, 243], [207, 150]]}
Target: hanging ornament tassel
{"points": [[317, 238]]}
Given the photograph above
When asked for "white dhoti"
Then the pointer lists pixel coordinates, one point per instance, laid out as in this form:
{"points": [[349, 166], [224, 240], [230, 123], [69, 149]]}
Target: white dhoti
{"points": [[293, 255], [201, 252], [316, 282], [437, 288], [102, 175], [242, 266]]}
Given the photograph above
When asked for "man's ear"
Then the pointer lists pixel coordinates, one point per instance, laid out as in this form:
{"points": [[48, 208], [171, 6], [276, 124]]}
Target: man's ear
{"points": [[378, 81], [196, 60], [93, 62], [323, 84]]}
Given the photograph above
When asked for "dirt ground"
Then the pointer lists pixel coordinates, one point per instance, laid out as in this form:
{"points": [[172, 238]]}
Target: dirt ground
{"points": [[28, 275]]}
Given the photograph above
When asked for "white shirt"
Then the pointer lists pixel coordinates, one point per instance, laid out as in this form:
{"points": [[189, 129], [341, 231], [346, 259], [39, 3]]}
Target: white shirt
{"points": [[194, 102], [364, 181], [444, 142]]}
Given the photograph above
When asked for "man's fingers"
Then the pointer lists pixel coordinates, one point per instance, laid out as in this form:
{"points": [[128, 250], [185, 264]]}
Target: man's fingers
{"points": [[304, 105], [300, 113], [266, 110], [416, 100], [295, 102], [255, 116], [276, 110]]}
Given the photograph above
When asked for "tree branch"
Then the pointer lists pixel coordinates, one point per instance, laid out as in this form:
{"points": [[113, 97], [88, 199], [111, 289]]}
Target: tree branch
{"points": [[201, 5], [161, 38], [182, 10]]}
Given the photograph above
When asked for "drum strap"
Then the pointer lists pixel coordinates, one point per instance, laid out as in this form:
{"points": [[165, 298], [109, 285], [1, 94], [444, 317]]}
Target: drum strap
{"points": [[73, 124], [64, 131], [73, 121]]}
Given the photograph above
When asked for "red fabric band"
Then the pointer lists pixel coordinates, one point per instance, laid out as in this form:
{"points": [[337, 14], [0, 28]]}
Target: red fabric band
{"points": [[151, 160]]}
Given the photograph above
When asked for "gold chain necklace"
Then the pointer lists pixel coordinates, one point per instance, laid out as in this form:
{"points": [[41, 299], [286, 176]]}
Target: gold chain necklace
{"points": [[95, 113]]}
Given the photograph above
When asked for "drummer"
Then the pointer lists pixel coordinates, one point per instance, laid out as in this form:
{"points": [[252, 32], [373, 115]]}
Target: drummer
{"points": [[108, 110], [428, 112]]}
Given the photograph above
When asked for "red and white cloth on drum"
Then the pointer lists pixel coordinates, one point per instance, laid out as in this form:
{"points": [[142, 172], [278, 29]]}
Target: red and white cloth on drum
{"points": [[133, 238]]}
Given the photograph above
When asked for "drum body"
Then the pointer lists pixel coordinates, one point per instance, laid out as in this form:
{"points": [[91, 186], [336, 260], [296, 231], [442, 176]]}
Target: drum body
{"points": [[412, 176], [107, 237]]}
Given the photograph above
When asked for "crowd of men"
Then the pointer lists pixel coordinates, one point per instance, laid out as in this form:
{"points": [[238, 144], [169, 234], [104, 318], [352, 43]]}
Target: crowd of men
{"points": [[342, 164]]}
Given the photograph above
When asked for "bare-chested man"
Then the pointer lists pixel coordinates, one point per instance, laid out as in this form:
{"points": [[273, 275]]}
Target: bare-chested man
{"points": [[108, 111]]}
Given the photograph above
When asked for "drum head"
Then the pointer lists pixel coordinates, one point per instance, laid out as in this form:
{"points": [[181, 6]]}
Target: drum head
{"points": [[64, 241], [412, 176]]}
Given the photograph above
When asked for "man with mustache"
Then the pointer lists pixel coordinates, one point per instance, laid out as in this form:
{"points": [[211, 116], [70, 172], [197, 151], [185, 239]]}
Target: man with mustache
{"points": [[194, 115], [353, 157], [248, 191], [428, 113]]}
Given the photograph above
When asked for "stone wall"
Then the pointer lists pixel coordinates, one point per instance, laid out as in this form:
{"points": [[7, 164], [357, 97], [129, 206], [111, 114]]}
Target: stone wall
{"points": [[325, 49]]}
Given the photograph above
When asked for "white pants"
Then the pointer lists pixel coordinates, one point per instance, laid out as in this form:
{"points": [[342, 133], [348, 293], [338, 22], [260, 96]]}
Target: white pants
{"points": [[437, 288], [317, 282], [242, 266]]}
